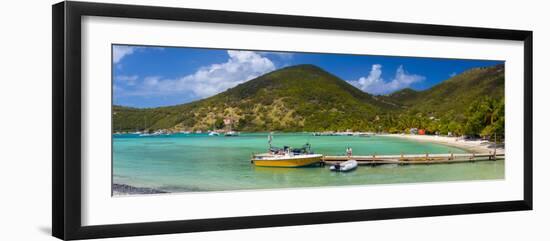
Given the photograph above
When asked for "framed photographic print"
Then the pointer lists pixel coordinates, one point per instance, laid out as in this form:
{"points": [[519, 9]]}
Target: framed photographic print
{"points": [[170, 120]]}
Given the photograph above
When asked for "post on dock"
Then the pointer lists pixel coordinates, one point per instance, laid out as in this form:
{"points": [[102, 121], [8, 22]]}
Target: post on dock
{"points": [[427, 159], [495, 147], [452, 156]]}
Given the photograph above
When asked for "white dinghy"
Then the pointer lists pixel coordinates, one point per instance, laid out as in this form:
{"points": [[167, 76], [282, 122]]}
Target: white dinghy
{"points": [[344, 166]]}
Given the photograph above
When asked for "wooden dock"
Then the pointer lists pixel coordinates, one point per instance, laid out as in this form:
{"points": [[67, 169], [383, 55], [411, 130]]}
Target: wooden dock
{"points": [[412, 159]]}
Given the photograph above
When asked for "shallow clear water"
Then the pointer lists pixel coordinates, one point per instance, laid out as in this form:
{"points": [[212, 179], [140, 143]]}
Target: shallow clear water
{"points": [[198, 162]]}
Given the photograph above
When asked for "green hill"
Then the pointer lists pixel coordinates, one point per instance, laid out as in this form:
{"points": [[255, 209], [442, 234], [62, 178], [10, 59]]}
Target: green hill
{"points": [[402, 96], [456, 93], [307, 98], [297, 98], [469, 103]]}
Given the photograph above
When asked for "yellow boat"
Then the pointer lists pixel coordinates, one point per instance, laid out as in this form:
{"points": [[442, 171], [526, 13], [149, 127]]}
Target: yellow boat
{"points": [[286, 157], [285, 160]]}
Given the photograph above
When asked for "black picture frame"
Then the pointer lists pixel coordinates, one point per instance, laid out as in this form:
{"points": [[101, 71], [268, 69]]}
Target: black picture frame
{"points": [[66, 127]]}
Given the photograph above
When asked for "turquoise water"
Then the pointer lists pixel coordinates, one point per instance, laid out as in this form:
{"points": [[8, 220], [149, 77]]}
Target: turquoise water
{"points": [[198, 162]]}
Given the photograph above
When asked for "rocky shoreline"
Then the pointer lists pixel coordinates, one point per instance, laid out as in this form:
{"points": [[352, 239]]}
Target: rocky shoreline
{"points": [[123, 189]]}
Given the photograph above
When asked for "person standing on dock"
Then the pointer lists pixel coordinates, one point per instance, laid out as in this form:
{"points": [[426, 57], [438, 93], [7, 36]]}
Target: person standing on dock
{"points": [[349, 152]]}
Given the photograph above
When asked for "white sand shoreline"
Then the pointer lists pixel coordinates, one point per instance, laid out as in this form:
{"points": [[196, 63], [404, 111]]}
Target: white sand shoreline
{"points": [[472, 146]]}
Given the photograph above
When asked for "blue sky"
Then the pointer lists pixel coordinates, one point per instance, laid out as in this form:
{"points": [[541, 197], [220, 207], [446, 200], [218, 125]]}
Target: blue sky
{"points": [[162, 76]]}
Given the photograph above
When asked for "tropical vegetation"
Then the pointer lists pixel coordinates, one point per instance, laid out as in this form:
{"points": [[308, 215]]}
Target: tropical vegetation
{"points": [[307, 98]]}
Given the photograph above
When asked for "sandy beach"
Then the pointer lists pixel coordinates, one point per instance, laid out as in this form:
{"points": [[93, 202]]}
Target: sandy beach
{"points": [[474, 146]]}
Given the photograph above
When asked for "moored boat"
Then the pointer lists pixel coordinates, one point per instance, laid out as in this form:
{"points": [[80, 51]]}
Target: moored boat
{"points": [[231, 133], [344, 166], [286, 160], [156, 133], [286, 156]]}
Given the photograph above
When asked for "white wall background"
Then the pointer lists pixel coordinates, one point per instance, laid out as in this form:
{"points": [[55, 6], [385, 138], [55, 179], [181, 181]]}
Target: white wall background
{"points": [[25, 119]]}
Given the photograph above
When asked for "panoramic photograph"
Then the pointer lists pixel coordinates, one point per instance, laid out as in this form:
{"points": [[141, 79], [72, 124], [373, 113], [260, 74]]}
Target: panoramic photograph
{"points": [[188, 119]]}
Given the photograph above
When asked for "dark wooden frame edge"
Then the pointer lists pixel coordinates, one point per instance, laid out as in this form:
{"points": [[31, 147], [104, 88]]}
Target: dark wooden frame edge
{"points": [[66, 120]]}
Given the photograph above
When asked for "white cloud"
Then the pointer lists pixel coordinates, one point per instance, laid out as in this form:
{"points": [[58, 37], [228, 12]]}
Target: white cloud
{"points": [[453, 74], [210, 80], [375, 84], [120, 52], [127, 79]]}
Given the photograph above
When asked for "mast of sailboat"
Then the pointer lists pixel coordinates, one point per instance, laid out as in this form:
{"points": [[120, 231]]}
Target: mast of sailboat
{"points": [[269, 140]]}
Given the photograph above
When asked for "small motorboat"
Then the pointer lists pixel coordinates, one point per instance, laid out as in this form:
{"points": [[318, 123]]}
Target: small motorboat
{"points": [[286, 156], [344, 166], [286, 160], [231, 133]]}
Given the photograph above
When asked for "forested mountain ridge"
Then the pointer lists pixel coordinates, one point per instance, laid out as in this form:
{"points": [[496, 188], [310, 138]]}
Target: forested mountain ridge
{"points": [[307, 98]]}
